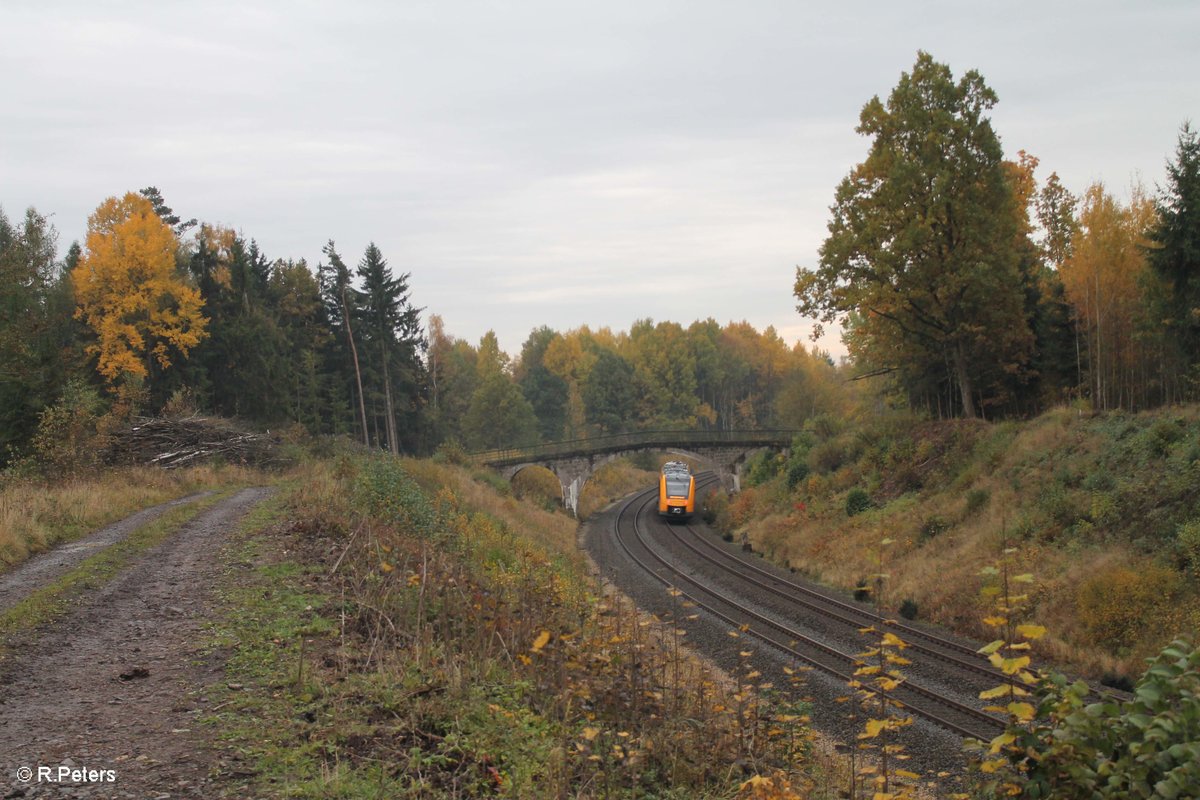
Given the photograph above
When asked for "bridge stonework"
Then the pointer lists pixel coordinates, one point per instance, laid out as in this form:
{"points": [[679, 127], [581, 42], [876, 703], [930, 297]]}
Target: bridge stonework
{"points": [[573, 471]]}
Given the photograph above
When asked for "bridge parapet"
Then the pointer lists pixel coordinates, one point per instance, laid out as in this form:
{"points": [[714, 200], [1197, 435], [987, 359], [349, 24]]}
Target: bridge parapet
{"points": [[574, 461], [628, 442]]}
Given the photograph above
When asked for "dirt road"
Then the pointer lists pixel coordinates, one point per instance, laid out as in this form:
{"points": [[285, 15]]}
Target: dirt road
{"points": [[105, 701]]}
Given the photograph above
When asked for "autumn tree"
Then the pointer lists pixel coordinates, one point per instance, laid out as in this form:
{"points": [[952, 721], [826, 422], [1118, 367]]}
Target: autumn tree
{"points": [[546, 392], [608, 393], [920, 245], [1103, 278], [499, 415], [453, 378], [664, 373], [144, 314], [571, 357]]}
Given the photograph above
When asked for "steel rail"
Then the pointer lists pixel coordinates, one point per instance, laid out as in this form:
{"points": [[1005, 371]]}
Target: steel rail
{"points": [[983, 720], [840, 607]]}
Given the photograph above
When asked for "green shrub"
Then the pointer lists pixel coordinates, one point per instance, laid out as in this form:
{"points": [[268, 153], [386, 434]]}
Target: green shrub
{"points": [[72, 434], [857, 501], [1146, 747], [797, 471], [1099, 481], [828, 456], [1104, 508], [385, 491], [932, 527], [1187, 544], [908, 608], [451, 451], [977, 499], [1162, 435], [763, 467]]}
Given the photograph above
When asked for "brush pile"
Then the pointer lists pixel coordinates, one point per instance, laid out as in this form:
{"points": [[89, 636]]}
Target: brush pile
{"points": [[183, 441]]}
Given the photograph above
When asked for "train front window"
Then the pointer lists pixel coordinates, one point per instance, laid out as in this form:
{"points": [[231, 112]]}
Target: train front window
{"points": [[677, 487]]}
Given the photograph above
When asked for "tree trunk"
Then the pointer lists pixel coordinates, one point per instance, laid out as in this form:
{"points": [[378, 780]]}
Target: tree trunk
{"points": [[965, 386], [393, 445], [362, 406]]}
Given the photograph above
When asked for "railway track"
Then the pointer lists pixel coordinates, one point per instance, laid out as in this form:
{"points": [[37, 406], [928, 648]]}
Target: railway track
{"points": [[956, 655], [633, 540]]}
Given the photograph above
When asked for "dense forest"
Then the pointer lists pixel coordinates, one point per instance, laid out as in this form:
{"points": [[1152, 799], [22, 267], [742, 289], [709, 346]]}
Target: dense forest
{"points": [[157, 313], [964, 285]]}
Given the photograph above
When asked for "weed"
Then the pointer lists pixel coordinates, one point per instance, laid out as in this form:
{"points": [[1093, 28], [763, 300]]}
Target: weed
{"points": [[857, 501], [976, 500], [932, 527]]}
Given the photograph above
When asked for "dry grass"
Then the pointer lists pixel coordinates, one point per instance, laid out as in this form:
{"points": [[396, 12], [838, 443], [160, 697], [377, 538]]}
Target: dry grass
{"points": [[36, 515], [611, 482], [1037, 486]]}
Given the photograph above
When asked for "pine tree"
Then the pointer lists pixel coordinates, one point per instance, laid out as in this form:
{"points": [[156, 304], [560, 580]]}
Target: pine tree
{"points": [[342, 301], [1174, 254], [391, 327]]}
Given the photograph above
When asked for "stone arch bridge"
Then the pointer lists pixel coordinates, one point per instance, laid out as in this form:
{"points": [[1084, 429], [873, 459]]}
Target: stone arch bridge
{"points": [[576, 460]]}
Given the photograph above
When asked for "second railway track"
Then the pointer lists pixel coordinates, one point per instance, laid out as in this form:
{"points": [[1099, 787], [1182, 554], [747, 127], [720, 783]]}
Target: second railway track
{"points": [[636, 515]]}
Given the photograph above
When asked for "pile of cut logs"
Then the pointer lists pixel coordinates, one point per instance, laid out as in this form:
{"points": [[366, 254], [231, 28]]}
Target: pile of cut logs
{"points": [[182, 441]]}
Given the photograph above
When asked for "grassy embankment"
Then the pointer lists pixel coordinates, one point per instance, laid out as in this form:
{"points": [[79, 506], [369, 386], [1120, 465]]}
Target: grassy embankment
{"points": [[411, 629], [1104, 511]]}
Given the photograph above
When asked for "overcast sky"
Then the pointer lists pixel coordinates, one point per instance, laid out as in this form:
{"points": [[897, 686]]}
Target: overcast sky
{"points": [[555, 163]]}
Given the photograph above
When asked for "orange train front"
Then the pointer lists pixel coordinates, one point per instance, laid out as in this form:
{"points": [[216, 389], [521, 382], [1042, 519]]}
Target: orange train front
{"points": [[676, 491]]}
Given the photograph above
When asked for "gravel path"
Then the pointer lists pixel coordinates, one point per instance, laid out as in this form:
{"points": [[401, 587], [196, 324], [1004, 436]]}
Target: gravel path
{"points": [[117, 685], [45, 567]]}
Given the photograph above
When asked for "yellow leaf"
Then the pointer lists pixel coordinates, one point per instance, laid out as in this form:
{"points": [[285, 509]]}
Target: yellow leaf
{"points": [[385, 566], [988, 649], [590, 733], [1031, 632], [903, 773], [995, 622], [541, 641], [873, 728], [892, 640], [993, 693], [1001, 741], [1011, 666], [1022, 711]]}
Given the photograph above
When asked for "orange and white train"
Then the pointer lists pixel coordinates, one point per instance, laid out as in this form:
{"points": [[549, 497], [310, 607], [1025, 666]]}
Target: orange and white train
{"points": [[676, 491]]}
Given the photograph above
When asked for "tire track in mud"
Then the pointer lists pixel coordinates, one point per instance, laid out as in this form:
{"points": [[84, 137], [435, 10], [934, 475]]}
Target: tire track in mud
{"points": [[44, 568], [117, 683]]}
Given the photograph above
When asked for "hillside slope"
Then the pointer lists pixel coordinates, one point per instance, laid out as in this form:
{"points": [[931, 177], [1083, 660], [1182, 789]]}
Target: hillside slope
{"points": [[1104, 510]]}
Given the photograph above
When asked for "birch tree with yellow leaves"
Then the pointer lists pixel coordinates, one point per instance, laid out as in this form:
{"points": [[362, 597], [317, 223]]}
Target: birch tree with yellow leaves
{"points": [[143, 313]]}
